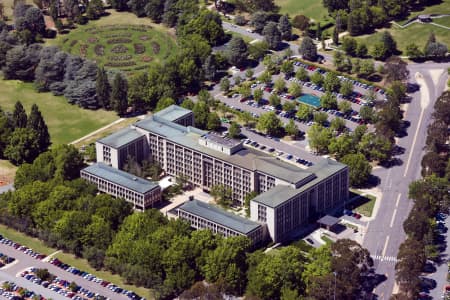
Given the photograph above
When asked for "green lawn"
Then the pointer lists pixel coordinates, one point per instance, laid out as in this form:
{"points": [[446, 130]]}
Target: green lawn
{"points": [[82, 264], [119, 40], [362, 205], [415, 33], [66, 122], [310, 8], [443, 21]]}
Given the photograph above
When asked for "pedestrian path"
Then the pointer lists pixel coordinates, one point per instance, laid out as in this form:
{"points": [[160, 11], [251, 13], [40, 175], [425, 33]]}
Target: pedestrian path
{"points": [[387, 259]]}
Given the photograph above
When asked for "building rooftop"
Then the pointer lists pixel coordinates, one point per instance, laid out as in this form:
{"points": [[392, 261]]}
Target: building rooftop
{"points": [[328, 220], [172, 113], [121, 178], [247, 158], [227, 142], [279, 194], [121, 137], [219, 216]]}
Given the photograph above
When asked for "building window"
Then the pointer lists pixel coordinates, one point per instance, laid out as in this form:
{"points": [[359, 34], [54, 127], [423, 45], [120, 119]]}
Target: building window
{"points": [[262, 213]]}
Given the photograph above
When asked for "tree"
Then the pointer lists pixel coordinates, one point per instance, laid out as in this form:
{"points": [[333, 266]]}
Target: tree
{"points": [[119, 5], [285, 27], [21, 61], [319, 138], [291, 128], [274, 100], [287, 67], [337, 125], [201, 112], [103, 88], [269, 123], [95, 9], [272, 35], [396, 69], [436, 50], [307, 49], [331, 82], [345, 107], [328, 100], [257, 50], [164, 103], [222, 195], [346, 89], [210, 67], [224, 84], [389, 44], [431, 40], [349, 45], [35, 21], [257, 95], [237, 51], [213, 121], [249, 73], [301, 74], [341, 146], [317, 78], [304, 112], [234, 131], [360, 169], [411, 260], [119, 93], [300, 22], [37, 123], [413, 51], [320, 118], [361, 50], [280, 85], [366, 68], [289, 106], [23, 146], [19, 116], [335, 36], [367, 113], [295, 89]]}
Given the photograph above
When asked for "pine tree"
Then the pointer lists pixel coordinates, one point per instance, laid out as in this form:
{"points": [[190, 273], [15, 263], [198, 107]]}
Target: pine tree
{"points": [[103, 88], [37, 123], [335, 36], [119, 94], [318, 31], [19, 116], [431, 40]]}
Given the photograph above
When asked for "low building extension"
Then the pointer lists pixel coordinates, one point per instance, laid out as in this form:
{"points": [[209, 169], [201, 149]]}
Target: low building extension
{"points": [[202, 215], [142, 193]]}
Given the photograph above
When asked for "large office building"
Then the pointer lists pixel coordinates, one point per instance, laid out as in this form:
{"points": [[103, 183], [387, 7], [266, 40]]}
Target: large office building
{"points": [[288, 196]]}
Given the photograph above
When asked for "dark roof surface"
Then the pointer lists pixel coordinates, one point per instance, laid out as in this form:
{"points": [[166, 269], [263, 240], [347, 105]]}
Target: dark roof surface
{"points": [[328, 220]]}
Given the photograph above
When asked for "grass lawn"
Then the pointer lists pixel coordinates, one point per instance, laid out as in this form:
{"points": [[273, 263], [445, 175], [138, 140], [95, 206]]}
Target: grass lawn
{"points": [[82, 264], [106, 132], [8, 4], [327, 240], [415, 33], [443, 21], [310, 8], [119, 40], [7, 171], [66, 122], [363, 205]]}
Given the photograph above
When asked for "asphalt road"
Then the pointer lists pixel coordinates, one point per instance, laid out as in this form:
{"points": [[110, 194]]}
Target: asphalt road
{"points": [[25, 261], [385, 233]]}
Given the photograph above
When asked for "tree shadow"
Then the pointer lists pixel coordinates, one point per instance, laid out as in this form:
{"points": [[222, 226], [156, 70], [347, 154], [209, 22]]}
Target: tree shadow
{"points": [[369, 282]]}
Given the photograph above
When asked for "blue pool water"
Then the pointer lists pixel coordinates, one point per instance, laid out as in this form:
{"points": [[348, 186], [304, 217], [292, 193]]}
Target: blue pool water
{"points": [[309, 100]]}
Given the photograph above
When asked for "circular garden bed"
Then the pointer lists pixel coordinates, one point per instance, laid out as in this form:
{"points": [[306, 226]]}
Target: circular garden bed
{"points": [[127, 47]]}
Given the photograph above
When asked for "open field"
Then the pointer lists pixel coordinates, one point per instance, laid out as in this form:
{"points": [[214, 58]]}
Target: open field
{"points": [[415, 33], [82, 264], [66, 122], [443, 21], [310, 8], [119, 40], [7, 171]]}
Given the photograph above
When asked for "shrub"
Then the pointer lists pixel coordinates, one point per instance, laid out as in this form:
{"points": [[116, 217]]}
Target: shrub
{"points": [[119, 49], [156, 47], [139, 48], [99, 50]]}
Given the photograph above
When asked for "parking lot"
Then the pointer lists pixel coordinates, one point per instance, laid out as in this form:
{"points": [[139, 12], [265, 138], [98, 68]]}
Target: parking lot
{"points": [[90, 285]]}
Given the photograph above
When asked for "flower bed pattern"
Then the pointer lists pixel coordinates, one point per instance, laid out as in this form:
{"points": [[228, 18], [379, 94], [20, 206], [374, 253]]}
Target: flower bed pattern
{"points": [[99, 50], [120, 64], [119, 49], [139, 48], [120, 57], [156, 48], [119, 41]]}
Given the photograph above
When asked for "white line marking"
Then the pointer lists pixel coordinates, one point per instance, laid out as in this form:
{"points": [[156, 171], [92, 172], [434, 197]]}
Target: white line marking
{"points": [[398, 200], [393, 217], [385, 246], [414, 142]]}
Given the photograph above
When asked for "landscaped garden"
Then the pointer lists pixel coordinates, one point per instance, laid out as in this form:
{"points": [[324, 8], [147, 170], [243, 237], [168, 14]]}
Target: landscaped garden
{"points": [[126, 45]]}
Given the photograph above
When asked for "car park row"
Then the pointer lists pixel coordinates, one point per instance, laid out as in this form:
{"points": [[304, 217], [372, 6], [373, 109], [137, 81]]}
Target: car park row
{"points": [[12, 291]]}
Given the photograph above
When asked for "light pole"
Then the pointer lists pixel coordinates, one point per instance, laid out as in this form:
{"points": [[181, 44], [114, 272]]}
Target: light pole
{"points": [[334, 294]]}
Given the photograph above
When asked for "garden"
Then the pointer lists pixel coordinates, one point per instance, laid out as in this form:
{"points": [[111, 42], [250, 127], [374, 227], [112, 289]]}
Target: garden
{"points": [[128, 47]]}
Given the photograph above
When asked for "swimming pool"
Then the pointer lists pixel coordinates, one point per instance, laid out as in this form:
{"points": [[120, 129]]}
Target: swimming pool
{"points": [[309, 100]]}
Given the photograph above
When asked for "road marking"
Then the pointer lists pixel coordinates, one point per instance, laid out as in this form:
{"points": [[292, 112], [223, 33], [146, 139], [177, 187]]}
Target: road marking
{"points": [[414, 142], [393, 217], [385, 246], [398, 200]]}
